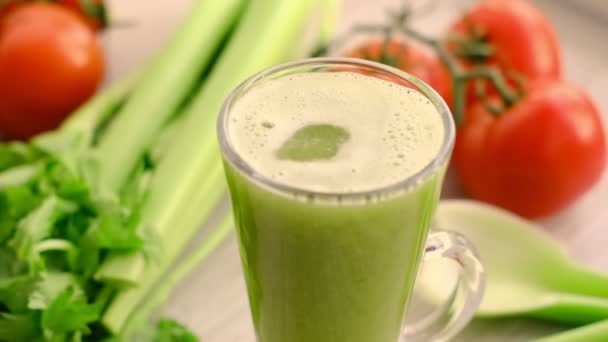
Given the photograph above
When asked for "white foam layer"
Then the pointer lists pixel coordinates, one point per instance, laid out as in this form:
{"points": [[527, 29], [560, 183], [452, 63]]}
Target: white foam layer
{"points": [[394, 131]]}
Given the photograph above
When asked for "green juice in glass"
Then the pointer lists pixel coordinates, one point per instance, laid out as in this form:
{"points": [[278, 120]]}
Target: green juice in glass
{"points": [[330, 242]]}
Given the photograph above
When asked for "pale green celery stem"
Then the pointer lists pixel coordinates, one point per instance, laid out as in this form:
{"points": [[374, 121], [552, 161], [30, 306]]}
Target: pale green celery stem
{"points": [[596, 332], [163, 88], [185, 225], [158, 298], [329, 21], [87, 118], [274, 25]]}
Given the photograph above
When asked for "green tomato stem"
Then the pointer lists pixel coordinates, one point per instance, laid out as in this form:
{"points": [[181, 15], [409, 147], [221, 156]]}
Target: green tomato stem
{"points": [[480, 91], [460, 75], [508, 95]]}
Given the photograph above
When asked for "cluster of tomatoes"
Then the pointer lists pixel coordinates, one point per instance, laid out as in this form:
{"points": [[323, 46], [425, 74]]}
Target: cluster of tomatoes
{"points": [[538, 153], [51, 61]]}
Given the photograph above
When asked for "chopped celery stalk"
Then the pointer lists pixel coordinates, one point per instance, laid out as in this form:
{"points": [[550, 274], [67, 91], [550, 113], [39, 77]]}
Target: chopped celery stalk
{"points": [[163, 88]]}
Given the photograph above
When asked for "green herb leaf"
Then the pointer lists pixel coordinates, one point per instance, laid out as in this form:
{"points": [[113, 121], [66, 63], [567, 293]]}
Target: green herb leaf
{"points": [[171, 331], [68, 185], [313, 142], [89, 254], [19, 328], [7, 224], [20, 200], [69, 312], [15, 202], [15, 292], [9, 265], [16, 153], [49, 287], [113, 228], [38, 225]]}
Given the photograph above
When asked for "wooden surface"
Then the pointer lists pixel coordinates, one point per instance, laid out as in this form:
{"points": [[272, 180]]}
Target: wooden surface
{"points": [[213, 300]]}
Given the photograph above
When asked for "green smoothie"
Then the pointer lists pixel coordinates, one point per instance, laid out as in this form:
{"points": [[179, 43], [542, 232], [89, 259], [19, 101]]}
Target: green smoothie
{"points": [[327, 258]]}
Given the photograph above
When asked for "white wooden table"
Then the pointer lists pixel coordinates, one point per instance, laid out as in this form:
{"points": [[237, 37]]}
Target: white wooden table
{"points": [[213, 301]]}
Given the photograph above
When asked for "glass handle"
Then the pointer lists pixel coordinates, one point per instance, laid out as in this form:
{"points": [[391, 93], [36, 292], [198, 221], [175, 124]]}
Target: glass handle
{"points": [[460, 308]]}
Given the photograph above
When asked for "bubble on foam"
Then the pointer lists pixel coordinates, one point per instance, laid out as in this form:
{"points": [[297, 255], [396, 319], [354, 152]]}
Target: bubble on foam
{"points": [[267, 124], [388, 126]]}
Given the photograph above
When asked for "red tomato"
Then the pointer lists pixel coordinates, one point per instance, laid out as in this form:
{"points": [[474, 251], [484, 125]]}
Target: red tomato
{"points": [[538, 156], [50, 63], [8, 5], [410, 57], [524, 41]]}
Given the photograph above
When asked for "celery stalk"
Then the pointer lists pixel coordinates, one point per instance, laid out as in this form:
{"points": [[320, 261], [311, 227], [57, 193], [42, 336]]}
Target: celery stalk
{"points": [[188, 222], [161, 293], [205, 192], [329, 19], [274, 27], [163, 88], [87, 118], [271, 24]]}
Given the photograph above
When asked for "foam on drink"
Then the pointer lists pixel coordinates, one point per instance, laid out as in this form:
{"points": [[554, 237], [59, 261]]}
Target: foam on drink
{"points": [[384, 132]]}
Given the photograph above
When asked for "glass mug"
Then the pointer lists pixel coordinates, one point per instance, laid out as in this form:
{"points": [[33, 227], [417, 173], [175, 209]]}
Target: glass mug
{"points": [[335, 267]]}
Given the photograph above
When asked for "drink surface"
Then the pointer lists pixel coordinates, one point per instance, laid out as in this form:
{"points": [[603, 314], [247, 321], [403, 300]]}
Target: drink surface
{"points": [[335, 131]]}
